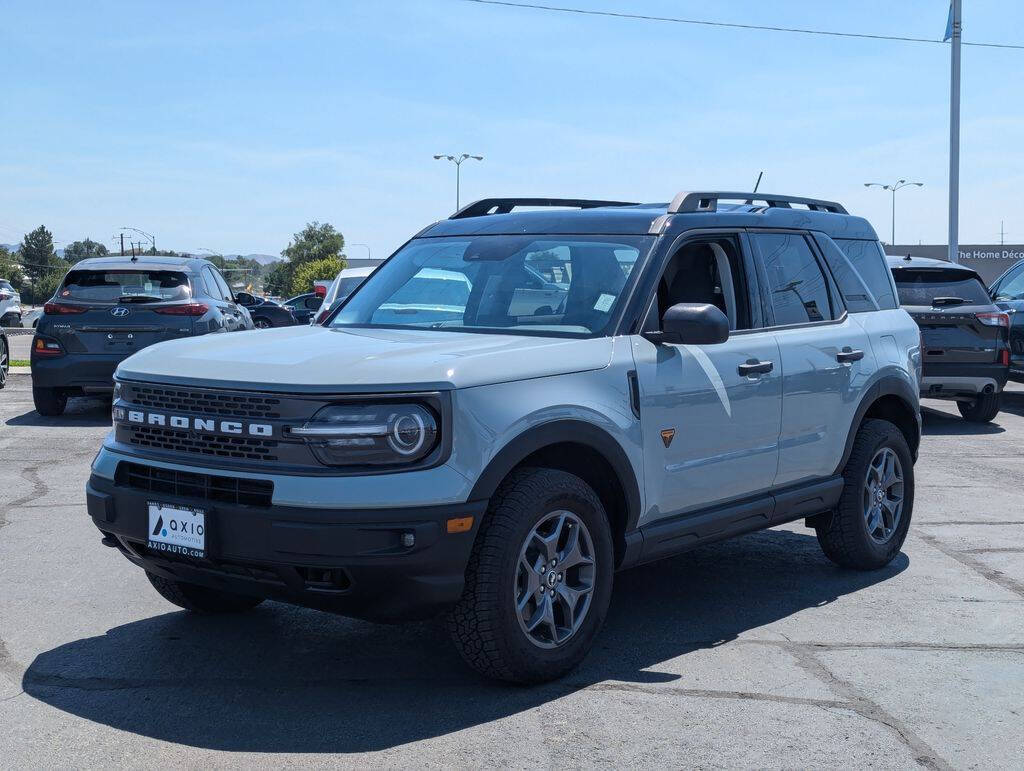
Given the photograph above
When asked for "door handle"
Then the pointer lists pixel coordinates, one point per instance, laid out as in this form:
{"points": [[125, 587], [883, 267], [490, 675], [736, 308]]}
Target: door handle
{"points": [[848, 355], [755, 367]]}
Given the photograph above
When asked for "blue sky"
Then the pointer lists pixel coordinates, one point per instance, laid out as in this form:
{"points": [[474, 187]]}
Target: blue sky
{"points": [[229, 125]]}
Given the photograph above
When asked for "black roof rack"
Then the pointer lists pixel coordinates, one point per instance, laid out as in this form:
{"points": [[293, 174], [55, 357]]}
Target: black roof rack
{"points": [[701, 202], [505, 205]]}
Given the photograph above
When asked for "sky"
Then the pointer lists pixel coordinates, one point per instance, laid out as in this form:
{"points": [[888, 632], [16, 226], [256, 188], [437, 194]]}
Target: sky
{"points": [[229, 125]]}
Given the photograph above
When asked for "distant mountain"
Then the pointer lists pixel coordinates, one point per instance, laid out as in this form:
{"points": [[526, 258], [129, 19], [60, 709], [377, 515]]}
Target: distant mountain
{"points": [[262, 259]]}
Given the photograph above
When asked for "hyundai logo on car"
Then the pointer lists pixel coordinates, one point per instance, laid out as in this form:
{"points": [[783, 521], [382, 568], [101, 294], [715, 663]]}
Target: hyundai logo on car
{"points": [[120, 311]]}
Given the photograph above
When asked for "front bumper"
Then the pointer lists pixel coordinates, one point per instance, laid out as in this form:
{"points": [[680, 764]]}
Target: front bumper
{"points": [[352, 562], [92, 372], [950, 380]]}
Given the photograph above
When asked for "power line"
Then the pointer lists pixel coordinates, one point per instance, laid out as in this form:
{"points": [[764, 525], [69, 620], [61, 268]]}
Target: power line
{"points": [[733, 25]]}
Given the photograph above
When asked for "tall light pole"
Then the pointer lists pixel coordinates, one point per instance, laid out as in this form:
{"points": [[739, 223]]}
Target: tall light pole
{"points": [[152, 240], [458, 160], [898, 185], [364, 246]]}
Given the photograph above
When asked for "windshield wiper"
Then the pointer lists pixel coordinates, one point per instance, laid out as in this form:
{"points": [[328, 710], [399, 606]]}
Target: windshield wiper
{"points": [[140, 298], [937, 301]]}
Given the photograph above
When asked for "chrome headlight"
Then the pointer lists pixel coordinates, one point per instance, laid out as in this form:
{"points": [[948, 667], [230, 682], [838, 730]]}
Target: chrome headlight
{"points": [[370, 434]]}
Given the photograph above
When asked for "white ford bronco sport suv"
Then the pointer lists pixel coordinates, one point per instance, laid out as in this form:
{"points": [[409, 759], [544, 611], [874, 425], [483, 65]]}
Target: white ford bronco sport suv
{"points": [[518, 404]]}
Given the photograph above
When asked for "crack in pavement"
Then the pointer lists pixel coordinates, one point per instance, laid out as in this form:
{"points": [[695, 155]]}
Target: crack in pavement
{"points": [[995, 550], [39, 489], [979, 567], [1002, 523], [854, 700]]}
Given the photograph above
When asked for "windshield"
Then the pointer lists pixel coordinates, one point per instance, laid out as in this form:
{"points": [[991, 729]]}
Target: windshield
{"points": [[125, 286], [922, 287], [540, 285]]}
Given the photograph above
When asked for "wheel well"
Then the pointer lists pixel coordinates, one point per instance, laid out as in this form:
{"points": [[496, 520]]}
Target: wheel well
{"points": [[594, 469], [900, 414]]}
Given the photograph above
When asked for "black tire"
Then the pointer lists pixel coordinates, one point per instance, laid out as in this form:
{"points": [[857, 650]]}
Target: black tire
{"points": [[200, 599], [49, 402], [261, 323], [982, 409], [10, 320], [844, 534], [483, 625], [5, 361]]}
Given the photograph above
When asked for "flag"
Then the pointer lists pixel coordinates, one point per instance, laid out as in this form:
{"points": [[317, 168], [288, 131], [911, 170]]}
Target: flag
{"points": [[949, 24]]}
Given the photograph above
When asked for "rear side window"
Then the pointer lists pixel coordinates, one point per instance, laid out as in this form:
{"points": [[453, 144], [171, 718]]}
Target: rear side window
{"points": [[111, 286], [867, 260], [923, 286], [799, 292]]}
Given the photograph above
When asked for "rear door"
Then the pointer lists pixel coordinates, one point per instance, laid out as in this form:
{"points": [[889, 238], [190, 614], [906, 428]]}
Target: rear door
{"points": [[119, 310], [950, 307]]}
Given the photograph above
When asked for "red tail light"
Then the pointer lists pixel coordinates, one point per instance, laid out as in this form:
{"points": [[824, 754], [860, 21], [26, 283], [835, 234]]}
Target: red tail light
{"points": [[1004, 357], [995, 319], [186, 309], [5, 295], [44, 346], [54, 309]]}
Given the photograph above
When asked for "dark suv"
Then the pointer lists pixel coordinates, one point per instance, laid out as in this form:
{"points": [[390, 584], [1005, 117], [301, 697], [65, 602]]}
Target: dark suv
{"points": [[107, 308], [964, 335]]}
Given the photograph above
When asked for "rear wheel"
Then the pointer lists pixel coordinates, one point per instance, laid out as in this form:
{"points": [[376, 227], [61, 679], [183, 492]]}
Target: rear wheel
{"points": [[200, 599], [262, 323], [871, 521], [49, 402], [980, 409], [539, 579]]}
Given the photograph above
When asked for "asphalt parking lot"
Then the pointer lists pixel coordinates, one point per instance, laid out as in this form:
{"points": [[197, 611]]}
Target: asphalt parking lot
{"points": [[750, 653]]}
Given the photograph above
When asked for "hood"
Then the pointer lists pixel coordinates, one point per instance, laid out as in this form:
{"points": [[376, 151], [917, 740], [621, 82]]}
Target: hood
{"points": [[318, 359]]}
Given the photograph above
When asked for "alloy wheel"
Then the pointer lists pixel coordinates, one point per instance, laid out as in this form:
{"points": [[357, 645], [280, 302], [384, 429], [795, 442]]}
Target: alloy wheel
{"points": [[883, 495], [555, 577]]}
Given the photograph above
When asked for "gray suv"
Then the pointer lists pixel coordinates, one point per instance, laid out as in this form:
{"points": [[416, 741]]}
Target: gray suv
{"points": [[518, 404]]}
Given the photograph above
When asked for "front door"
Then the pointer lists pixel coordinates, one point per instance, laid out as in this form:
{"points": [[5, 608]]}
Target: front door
{"points": [[710, 414]]}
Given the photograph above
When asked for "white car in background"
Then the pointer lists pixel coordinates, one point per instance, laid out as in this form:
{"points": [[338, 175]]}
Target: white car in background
{"points": [[10, 305], [344, 284]]}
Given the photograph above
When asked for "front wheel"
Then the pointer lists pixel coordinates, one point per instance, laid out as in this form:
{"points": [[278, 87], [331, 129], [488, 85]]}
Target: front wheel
{"points": [[49, 402], [200, 599], [871, 521], [539, 579], [981, 409]]}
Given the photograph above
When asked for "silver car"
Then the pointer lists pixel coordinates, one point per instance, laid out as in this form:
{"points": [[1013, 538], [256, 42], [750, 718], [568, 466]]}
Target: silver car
{"points": [[10, 305]]}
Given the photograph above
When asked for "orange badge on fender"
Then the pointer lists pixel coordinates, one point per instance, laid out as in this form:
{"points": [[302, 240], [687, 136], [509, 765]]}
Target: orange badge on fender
{"points": [[667, 434]]}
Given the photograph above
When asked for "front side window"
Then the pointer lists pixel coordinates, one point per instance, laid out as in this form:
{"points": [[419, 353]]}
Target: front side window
{"points": [[939, 286], [796, 283], [1012, 287], [112, 286], [544, 285]]}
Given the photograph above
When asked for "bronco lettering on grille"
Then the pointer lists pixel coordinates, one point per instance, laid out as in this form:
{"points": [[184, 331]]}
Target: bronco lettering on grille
{"points": [[188, 423]]}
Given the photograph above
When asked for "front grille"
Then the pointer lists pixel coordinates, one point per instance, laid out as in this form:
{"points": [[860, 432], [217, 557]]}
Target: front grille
{"points": [[238, 491], [238, 447], [222, 404]]}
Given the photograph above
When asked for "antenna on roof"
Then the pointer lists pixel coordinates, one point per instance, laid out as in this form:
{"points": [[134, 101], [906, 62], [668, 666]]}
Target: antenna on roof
{"points": [[758, 183]]}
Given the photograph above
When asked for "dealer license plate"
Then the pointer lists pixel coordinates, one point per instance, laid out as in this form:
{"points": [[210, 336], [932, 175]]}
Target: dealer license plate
{"points": [[177, 530]]}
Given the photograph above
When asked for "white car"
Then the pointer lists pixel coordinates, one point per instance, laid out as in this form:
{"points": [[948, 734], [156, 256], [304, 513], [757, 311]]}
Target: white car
{"points": [[10, 305], [344, 284]]}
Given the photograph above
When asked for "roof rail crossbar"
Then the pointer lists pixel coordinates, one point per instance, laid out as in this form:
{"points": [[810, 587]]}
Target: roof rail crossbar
{"points": [[708, 201], [506, 205]]}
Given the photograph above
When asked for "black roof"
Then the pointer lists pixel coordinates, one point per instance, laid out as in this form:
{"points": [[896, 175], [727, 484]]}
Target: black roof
{"points": [[141, 263], [688, 210], [896, 262]]}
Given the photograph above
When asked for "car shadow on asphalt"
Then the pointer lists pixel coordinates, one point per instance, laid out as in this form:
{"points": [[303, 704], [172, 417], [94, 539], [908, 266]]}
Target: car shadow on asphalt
{"points": [[937, 423], [286, 679], [81, 411]]}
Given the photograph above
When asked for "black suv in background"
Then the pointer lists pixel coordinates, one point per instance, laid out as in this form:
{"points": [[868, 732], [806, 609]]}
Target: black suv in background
{"points": [[964, 335], [1008, 293], [265, 314], [107, 308]]}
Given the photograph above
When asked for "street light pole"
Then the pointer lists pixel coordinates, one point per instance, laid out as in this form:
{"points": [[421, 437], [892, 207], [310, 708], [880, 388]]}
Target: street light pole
{"points": [[152, 239], [458, 160], [364, 246], [898, 185]]}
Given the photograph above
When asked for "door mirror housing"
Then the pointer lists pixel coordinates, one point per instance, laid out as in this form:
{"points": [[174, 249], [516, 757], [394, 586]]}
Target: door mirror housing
{"points": [[692, 324], [244, 298]]}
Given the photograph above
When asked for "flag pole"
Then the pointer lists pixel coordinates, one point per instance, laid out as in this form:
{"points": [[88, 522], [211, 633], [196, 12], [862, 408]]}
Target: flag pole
{"points": [[955, 28]]}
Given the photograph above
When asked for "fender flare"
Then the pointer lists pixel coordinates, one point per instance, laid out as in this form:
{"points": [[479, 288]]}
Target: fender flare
{"points": [[556, 432], [889, 385]]}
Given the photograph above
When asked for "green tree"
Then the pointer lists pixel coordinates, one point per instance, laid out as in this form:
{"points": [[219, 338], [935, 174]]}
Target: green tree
{"points": [[80, 250], [45, 287], [316, 241], [37, 253], [324, 269], [10, 268], [277, 280]]}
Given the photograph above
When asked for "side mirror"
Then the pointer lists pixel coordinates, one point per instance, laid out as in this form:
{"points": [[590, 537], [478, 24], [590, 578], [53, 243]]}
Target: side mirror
{"points": [[692, 324], [244, 298]]}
